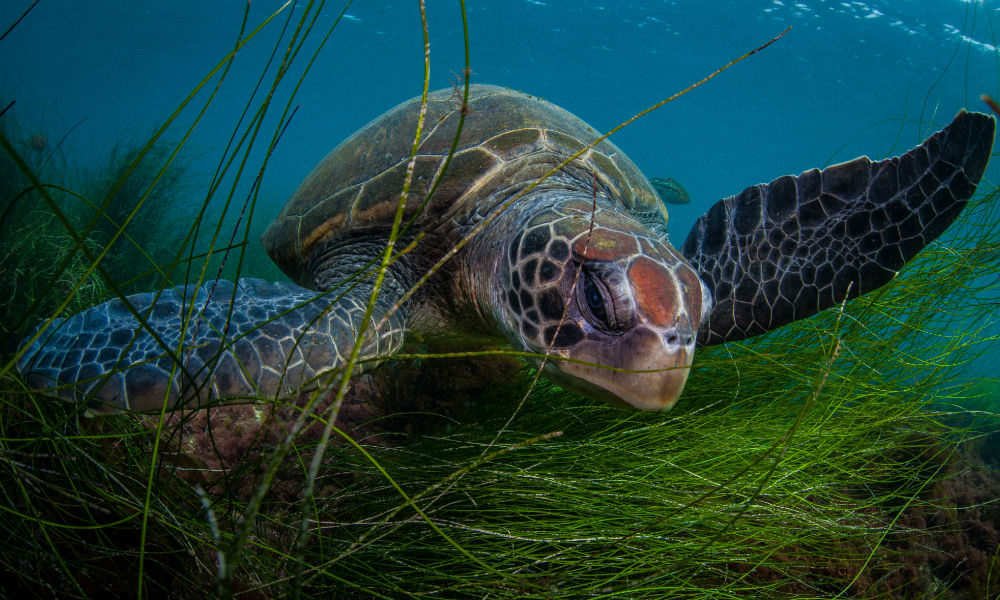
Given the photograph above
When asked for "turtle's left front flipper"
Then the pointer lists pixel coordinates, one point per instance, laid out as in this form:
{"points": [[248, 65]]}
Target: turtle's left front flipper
{"points": [[195, 346], [786, 250]]}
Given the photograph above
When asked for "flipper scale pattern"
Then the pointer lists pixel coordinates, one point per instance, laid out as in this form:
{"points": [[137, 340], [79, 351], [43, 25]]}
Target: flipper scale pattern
{"points": [[243, 340], [786, 250]]}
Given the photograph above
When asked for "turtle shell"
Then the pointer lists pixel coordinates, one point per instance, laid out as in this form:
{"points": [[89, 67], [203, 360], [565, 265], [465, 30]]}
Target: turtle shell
{"points": [[508, 140]]}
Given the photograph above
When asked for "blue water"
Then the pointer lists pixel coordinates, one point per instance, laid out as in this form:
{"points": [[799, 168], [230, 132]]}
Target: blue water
{"points": [[850, 78]]}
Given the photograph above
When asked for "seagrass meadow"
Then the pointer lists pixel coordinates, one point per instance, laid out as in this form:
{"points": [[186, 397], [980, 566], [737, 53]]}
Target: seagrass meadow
{"points": [[855, 454]]}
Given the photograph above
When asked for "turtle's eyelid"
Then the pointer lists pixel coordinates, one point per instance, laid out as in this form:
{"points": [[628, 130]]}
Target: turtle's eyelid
{"points": [[617, 308], [597, 305]]}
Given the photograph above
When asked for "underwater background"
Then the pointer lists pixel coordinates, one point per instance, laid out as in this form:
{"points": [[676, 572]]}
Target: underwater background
{"points": [[825, 450], [850, 78]]}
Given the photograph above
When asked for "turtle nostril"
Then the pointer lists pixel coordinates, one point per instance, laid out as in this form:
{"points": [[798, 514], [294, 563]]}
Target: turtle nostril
{"points": [[673, 338]]}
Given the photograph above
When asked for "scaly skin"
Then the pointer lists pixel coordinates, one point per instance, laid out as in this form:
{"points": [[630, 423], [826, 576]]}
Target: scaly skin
{"points": [[244, 342], [582, 281], [786, 250]]}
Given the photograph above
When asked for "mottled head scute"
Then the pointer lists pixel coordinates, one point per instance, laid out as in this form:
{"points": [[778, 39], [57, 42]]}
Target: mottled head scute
{"points": [[576, 268]]}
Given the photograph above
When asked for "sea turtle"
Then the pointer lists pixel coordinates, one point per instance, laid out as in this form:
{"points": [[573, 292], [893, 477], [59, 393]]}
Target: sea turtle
{"points": [[576, 266]]}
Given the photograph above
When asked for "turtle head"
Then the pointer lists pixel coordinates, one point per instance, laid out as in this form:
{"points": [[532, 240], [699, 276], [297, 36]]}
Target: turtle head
{"points": [[614, 306]]}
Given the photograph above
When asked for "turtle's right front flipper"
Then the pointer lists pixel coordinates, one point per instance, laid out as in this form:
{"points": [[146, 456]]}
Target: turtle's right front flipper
{"points": [[786, 250], [242, 342]]}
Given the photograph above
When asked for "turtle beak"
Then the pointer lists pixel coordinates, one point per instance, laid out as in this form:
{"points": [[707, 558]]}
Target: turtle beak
{"points": [[647, 370]]}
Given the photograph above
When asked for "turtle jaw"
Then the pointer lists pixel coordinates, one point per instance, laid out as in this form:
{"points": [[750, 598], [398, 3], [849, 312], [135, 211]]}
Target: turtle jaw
{"points": [[646, 370]]}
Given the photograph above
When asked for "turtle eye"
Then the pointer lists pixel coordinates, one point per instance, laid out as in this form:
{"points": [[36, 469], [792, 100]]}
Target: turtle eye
{"points": [[597, 296], [594, 294], [604, 298]]}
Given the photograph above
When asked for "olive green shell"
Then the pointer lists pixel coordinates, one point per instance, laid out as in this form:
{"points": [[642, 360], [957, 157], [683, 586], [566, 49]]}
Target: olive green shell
{"points": [[508, 140]]}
